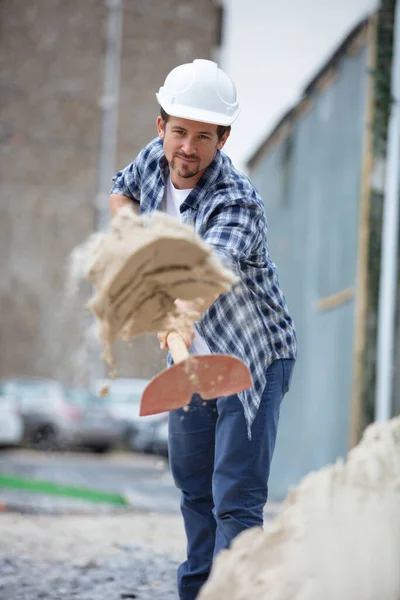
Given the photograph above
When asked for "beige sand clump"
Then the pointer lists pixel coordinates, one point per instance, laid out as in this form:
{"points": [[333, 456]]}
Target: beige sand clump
{"points": [[140, 267], [336, 538]]}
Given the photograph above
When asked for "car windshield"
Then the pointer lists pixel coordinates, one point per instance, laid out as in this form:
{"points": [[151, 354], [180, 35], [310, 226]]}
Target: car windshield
{"points": [[31, 388], [3, 392], [124, 397], [82, 397]]}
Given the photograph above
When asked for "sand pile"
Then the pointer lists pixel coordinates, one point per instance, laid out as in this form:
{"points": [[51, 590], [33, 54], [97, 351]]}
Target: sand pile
{"points": [[337, 537], [140, 267]]}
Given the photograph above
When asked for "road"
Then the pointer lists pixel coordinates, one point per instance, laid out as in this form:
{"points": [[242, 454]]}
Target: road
{"points": [[144, 479]]}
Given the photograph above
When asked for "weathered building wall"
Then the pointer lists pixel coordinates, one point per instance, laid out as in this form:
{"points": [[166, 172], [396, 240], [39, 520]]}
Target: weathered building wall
{"points": [[158, 35], [51, 74]]}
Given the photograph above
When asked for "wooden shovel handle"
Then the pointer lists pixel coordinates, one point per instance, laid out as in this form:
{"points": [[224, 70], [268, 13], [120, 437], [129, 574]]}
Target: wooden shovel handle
{"points": [[177, 347]]}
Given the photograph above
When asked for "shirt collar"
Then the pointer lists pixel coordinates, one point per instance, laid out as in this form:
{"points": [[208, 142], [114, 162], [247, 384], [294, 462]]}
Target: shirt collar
{"points": [[164, 168]]}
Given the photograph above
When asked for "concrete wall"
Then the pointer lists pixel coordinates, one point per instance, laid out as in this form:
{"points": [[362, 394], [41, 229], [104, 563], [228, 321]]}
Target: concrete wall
{"points": [[51, 69]]}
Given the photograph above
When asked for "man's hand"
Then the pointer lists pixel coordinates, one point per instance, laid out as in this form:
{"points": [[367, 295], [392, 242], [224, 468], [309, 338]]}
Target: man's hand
{"points": [[186, 334], [117, 201], [183, 324]]}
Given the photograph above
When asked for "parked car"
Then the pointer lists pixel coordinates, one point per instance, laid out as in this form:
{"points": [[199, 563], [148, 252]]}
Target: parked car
{"points": [[154, 437], [47, 415], [52, 419], [11, 423], [96, 429], [124, 404]]}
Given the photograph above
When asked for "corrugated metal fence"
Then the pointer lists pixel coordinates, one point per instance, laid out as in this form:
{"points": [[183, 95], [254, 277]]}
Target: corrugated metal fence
{"points": [[309, 173]]}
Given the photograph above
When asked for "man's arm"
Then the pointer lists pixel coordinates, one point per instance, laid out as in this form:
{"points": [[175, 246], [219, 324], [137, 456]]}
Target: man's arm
{"points": [[126, 186], [117, 201], [233, 230]]}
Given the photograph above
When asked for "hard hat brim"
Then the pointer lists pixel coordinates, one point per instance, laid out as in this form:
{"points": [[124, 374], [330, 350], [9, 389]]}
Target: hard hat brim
{"points": [[197, 114]]}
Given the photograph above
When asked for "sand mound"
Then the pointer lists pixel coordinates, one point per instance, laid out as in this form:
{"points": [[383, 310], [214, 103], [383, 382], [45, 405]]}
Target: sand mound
{"points": [[337, 537]]}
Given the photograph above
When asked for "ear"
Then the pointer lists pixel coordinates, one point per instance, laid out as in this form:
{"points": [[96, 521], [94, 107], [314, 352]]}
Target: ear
{"points": [[160, 127], [221, 142]]}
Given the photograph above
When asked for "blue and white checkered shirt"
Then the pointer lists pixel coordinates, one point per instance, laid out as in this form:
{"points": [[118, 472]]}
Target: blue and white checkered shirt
{"points": [[228, 213]]}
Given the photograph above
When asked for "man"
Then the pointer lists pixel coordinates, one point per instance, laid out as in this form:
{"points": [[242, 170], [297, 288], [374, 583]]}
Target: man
{"points": [[220, 450]]}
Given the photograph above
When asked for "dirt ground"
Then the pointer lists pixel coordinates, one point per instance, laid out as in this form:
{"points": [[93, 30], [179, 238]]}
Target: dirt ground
{"points": [[78, 539], [90, 557]]}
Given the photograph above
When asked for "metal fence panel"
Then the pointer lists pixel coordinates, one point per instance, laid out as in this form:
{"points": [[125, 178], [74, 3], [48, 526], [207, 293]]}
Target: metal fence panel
{"points": [[310, 183]]}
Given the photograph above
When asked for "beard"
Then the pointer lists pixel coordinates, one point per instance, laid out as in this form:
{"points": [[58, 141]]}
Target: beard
{"points": [[185, 170]]}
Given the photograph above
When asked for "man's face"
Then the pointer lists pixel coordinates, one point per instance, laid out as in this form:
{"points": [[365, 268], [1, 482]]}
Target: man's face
{"points": [[189, 147]]}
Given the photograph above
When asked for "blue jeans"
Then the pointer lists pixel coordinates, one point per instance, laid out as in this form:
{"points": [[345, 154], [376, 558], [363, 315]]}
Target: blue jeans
{"points": [[223, 476]]}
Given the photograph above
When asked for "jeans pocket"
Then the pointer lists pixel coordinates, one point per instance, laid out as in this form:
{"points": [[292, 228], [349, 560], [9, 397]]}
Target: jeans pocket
{"points": [[287, 367]]}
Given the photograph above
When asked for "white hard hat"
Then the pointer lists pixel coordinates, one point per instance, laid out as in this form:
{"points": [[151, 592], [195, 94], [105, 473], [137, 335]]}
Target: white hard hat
{"points": [[199, 91]]}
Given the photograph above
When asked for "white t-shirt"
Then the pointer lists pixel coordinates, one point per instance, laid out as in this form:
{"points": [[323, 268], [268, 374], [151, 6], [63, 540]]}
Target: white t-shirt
{"points": [[172, 201]]}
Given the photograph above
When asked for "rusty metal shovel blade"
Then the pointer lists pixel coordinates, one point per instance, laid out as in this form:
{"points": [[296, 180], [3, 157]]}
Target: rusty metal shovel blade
{"points": [[212, 376]]}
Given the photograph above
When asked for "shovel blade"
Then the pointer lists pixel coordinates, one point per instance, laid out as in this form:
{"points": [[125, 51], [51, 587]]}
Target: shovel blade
{"points": [[212, 376]]}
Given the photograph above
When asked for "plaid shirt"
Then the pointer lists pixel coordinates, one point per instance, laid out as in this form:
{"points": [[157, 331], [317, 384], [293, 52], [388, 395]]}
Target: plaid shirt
{"points": [[228, 213]]}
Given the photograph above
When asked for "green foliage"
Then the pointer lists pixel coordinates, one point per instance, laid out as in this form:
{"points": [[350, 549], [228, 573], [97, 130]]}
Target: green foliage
{"points": [[383, 97], [382, 105], [374, 260]]}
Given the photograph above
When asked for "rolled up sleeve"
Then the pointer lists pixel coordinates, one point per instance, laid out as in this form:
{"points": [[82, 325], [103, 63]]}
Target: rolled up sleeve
{"points": [[233, 231], [127, 182]]}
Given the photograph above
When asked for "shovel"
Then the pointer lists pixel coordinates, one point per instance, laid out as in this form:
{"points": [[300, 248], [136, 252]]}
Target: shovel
{"points": [[210, 375]]}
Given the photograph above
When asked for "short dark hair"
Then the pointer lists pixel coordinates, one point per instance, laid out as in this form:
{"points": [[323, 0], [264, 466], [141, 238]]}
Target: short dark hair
{"points": [[221, 129]]}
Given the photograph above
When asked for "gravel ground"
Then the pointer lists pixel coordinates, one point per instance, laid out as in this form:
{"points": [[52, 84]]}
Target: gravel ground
{"points": [[88, 557], [58, 549], [137, 575]]}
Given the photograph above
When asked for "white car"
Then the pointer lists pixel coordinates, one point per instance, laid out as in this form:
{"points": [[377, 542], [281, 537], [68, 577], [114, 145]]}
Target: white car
{"points": [[124, 399], [11, 423], [154, 438]]}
